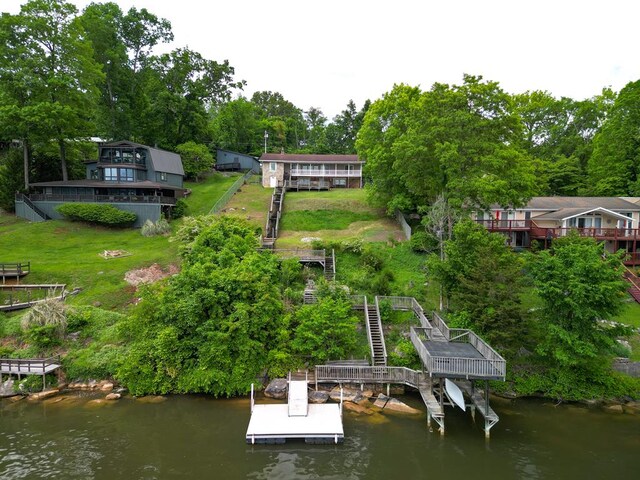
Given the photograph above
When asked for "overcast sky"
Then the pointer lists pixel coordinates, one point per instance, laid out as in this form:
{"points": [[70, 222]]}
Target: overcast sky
{"points": [[322, 53]]}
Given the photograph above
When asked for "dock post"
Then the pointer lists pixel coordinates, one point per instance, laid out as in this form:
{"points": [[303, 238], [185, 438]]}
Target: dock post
{"points": [[388, 389], [487, 428], [44, 382], [252, 398], [428, 418]]}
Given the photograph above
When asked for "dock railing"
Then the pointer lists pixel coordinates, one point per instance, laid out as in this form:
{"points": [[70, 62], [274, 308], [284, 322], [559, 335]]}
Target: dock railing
{"points": [[366, 322], [407, 304], [362, 374], [492, 366], [384, 346], [28, 366]]}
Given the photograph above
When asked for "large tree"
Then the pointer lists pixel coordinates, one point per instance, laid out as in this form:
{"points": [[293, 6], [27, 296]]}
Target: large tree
{"points": [[458, 141], [58, 60], [48, 77], [614, 167], [483, 280]]}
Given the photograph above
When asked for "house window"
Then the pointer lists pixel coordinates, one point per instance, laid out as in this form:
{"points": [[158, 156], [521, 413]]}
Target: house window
{"points": [[273, 166], [94, 175], [110, 174], [339, 182], [126, 174], [162, 176]]}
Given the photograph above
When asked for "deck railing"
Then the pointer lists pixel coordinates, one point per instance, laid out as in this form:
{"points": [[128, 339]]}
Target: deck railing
{"points": [[44, 197], [384, 346], [19, 268], [298, 172], [28, 366], [358, 302], [366, 322], [594, 232], [492, 366], [302, 254], [362, 374]]}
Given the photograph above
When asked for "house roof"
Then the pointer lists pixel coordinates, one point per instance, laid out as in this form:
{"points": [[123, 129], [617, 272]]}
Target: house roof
{"points": [[567, 213], [100, 184], [557, 203], [162, 160], [315, 158]]}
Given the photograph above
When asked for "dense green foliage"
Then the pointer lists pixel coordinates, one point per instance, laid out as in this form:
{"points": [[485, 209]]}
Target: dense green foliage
{"points": [[483, 280], [95, 213], [456, 141], [326, 330], [580, 287]]}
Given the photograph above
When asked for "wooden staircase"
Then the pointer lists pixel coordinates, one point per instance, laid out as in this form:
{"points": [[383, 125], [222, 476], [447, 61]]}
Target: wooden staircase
{"points": [[376, 337], [330, 266], [634, 288], [273, 218]]}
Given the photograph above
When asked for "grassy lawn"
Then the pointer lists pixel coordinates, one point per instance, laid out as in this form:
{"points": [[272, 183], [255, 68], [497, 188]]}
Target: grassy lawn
{"points": [[67, 252], [251, 202], [630, 314], [333, 215], [205, 194]]}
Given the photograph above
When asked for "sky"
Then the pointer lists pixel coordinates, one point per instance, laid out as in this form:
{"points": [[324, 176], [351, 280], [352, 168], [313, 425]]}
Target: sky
{"points": [[322, 53]]}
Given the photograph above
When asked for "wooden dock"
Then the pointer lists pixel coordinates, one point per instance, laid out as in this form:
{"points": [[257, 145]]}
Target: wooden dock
{"points": [[445, 353], [29, 366]]}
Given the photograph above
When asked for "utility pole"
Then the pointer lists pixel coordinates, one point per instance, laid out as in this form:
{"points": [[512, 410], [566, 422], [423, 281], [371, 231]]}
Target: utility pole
{"points": [[266, 136]]}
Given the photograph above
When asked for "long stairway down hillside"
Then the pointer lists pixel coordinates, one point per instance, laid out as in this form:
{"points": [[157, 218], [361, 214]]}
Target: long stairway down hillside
{"points": [[330, 266], [376, 337], [634, 284], [273, 218]]}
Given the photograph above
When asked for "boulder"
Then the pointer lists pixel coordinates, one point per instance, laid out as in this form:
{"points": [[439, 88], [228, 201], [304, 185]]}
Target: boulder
{"points": [[381, 401], [113, 396], [277, 389], [632, 408], [16, 398], [96, 402], [354, 407], [152, 399], [106, 386], [6, 388], [43, 395], [348, 394], [396, 405], [613, 409], [318, 397]]}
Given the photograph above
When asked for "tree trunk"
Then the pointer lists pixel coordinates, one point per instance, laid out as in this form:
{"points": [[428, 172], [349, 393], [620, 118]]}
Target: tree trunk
{"points": [[25, 159], [63, 160]]}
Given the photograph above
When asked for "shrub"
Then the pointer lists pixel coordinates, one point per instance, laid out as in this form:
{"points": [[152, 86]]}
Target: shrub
{"points": [[423, 242], [33, 383], [102, 214], [179, 210], [151, 229], [45, 324], [372, 258]]}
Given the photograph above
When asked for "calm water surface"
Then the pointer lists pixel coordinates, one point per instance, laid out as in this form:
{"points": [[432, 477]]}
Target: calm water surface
{"points": [[199, 437]]}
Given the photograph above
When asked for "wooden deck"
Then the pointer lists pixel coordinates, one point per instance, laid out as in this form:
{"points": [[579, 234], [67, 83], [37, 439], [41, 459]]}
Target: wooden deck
{"points": [[29, 366], [14, 270]]}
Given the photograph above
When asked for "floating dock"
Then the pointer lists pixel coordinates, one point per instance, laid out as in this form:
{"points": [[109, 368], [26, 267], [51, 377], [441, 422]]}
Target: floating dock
{"points": [[315, 423]]}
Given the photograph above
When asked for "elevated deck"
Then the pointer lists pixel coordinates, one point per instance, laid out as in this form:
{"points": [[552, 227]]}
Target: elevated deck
{"points": [[14, 270], [29, 366]]}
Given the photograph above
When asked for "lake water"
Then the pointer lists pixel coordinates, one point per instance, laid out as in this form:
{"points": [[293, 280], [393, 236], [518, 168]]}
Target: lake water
{"points": [[200, 437]]}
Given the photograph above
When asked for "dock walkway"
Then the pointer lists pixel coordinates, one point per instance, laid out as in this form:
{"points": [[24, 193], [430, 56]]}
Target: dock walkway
{"points": [[17, 297], [29, 366]]}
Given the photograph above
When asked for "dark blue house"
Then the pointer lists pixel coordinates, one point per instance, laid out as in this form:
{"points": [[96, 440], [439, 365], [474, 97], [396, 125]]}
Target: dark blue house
{"points": [[133, 177], [226, 160]]}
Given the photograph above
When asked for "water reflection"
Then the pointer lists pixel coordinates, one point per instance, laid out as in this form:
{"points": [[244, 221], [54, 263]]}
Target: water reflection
{"points": [[199, 437]]}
